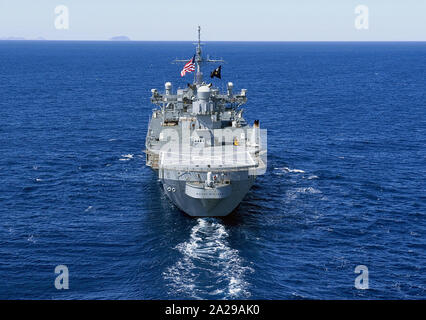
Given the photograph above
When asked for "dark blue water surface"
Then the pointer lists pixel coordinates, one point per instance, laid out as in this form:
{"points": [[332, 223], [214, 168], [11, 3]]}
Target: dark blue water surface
{"points": [[345, 184]]}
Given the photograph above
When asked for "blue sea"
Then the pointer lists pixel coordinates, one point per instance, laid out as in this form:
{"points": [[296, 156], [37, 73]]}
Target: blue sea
{"points": [[345, 184]]}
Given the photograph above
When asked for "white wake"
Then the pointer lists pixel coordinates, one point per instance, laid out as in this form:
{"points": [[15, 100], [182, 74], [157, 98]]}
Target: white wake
{"points": [[208, 267]]}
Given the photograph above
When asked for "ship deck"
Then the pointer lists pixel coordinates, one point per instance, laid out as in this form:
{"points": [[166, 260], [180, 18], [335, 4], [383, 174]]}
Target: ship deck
{"points": [[228, 158]]}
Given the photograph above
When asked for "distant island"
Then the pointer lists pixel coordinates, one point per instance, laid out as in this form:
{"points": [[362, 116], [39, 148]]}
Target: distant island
{"points": [[117, 38], [120, 38], [12, 38], [21, 38]]}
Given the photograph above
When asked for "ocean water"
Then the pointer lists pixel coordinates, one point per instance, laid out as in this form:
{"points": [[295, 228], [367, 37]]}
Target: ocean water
{"points": [[345, 184]]}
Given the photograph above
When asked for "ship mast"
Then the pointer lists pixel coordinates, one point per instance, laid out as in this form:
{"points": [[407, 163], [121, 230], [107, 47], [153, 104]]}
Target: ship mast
{"points": [[199, 61], [198, 77], [199, 41]]}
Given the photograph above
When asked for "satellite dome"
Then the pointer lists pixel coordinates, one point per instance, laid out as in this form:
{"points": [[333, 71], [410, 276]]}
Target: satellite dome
{"points": [[203, 92]]}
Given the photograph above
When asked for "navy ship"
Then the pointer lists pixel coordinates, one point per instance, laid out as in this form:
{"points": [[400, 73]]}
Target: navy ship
{"points": [[206, 155]]}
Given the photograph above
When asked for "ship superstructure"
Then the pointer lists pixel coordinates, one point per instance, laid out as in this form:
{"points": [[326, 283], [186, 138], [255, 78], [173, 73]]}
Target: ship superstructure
{"points": [[206, 155]]}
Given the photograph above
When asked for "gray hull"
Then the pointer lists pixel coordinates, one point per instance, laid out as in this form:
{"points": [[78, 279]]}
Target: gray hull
{"points": [[175, 190]]}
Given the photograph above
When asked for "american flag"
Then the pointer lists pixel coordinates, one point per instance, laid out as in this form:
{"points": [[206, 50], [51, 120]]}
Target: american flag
{"points": [[189, 67]]}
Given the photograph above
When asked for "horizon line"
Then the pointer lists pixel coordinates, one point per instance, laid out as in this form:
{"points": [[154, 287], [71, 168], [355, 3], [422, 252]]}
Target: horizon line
{"points": [[192, 41]]}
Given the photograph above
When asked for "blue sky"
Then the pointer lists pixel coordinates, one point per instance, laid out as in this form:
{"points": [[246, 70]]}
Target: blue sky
{"points": [[221, 20]]}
